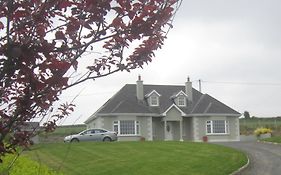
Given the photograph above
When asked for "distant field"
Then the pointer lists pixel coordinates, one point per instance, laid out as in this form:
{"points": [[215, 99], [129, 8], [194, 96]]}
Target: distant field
{"points": [[69, 129], [139, 158], [247, 126], [60, 133]]}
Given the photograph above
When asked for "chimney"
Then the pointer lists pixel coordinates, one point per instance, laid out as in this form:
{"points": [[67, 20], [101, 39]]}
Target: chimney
{"points": [[140, 89], [188, 89]]}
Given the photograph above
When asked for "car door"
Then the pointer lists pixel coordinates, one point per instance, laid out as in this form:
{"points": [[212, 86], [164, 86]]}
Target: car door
{"points": [[86, 135], [98, 135]]}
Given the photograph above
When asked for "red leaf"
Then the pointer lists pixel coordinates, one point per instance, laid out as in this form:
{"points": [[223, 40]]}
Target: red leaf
{"points": [[75, 64], [20, 14], [65, 4], [1, 25], [60, 35], [41, 30]]}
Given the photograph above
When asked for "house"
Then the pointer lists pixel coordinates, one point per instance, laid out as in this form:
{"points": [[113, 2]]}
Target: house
{"points": [[33, 128], [166, 112]]}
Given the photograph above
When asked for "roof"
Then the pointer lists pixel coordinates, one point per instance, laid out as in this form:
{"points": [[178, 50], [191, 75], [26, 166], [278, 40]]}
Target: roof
{"points": [[125, 101]]}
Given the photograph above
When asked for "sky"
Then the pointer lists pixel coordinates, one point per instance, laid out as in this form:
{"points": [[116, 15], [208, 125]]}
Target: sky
{"points": [[232, 46]]}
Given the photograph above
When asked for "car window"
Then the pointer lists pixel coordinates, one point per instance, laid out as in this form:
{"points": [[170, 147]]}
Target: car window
{"points": [[99, 131], [87, 132], [102, 131]]}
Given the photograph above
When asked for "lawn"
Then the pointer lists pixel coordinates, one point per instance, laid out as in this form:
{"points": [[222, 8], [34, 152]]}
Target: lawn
{"points": [[273, 139], [138, 158]]}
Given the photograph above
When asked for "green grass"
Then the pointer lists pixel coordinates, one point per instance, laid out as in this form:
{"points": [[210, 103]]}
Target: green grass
{"points": [[24, 166], [273, 139], [139, 158]]}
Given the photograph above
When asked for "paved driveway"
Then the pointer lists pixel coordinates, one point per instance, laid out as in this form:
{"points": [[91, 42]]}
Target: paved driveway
{"points": [[265, 159]]}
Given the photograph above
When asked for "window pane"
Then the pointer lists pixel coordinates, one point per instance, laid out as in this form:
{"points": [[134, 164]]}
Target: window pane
{"points": [[181, 101], [127, 127], [138, 127], [219, 126], [115, 126], [209, 130], [154, 100]]}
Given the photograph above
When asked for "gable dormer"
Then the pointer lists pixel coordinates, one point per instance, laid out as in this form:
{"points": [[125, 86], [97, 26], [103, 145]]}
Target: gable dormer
{"points": [[153, 98], [180, 99]]}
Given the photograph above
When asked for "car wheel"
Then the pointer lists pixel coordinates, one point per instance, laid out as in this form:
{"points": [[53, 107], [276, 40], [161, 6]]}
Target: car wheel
{"points": [[74, 140], [107, 139]]}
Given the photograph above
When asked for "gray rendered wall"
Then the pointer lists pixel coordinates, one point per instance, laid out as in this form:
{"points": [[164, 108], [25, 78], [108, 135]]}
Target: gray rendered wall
{"points": [[145, 124], [233, 129], [158, 128], [187, 128]]}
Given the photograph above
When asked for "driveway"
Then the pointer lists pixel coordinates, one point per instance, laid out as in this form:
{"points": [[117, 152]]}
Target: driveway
{"points": [[265, 159]]}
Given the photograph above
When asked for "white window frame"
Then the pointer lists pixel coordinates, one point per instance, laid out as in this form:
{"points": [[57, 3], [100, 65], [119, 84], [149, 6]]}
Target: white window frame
{"points": [[136, 128], [182, 99], [156, 100], [210, 126]]}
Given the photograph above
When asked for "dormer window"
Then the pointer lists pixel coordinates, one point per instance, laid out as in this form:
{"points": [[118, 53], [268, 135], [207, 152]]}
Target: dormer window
{"points": [[153, 98], [181, 100]]}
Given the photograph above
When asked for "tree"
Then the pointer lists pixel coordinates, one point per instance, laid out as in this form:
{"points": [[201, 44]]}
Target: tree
{"points": [[246, 115], [41, 42]]}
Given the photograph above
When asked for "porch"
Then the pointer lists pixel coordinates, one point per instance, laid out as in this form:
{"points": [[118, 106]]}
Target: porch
{"points": [[168, 130]]}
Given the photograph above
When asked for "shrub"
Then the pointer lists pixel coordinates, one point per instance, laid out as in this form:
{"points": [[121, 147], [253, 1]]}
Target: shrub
{"points": [[23, 165], [260, 131]]}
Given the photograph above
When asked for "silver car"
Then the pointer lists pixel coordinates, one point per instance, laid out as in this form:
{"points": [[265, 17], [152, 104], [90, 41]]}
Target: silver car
{"points": [[92, 135]]}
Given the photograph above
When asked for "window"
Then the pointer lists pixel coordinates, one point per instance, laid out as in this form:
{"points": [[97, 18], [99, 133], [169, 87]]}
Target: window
{"points": [[217, 127], [88, 132], [126, 127], [181, 100], [116, 126], [154, 100]]}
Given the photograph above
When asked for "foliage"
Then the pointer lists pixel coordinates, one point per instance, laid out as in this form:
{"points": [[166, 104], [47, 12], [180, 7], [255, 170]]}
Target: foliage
{"points": [[24, 165], [260, 131], [246, 115], [273, 139], [41, 43], [137, 158]]}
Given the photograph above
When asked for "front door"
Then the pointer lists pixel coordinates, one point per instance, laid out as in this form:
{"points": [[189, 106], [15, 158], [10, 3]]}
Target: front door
{"points": [[169, 131]]}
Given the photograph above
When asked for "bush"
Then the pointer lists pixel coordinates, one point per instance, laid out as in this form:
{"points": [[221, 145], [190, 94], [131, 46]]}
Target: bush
{"points": [[260, 131], [23, 165]]}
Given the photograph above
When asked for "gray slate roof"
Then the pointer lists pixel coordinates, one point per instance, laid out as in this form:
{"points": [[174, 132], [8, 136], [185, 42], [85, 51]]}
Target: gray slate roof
{"points": [[125, 101]]}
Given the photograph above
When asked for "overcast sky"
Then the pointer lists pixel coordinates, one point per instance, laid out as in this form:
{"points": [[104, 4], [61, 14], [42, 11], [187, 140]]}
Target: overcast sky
{"points": [[233, 46]]}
